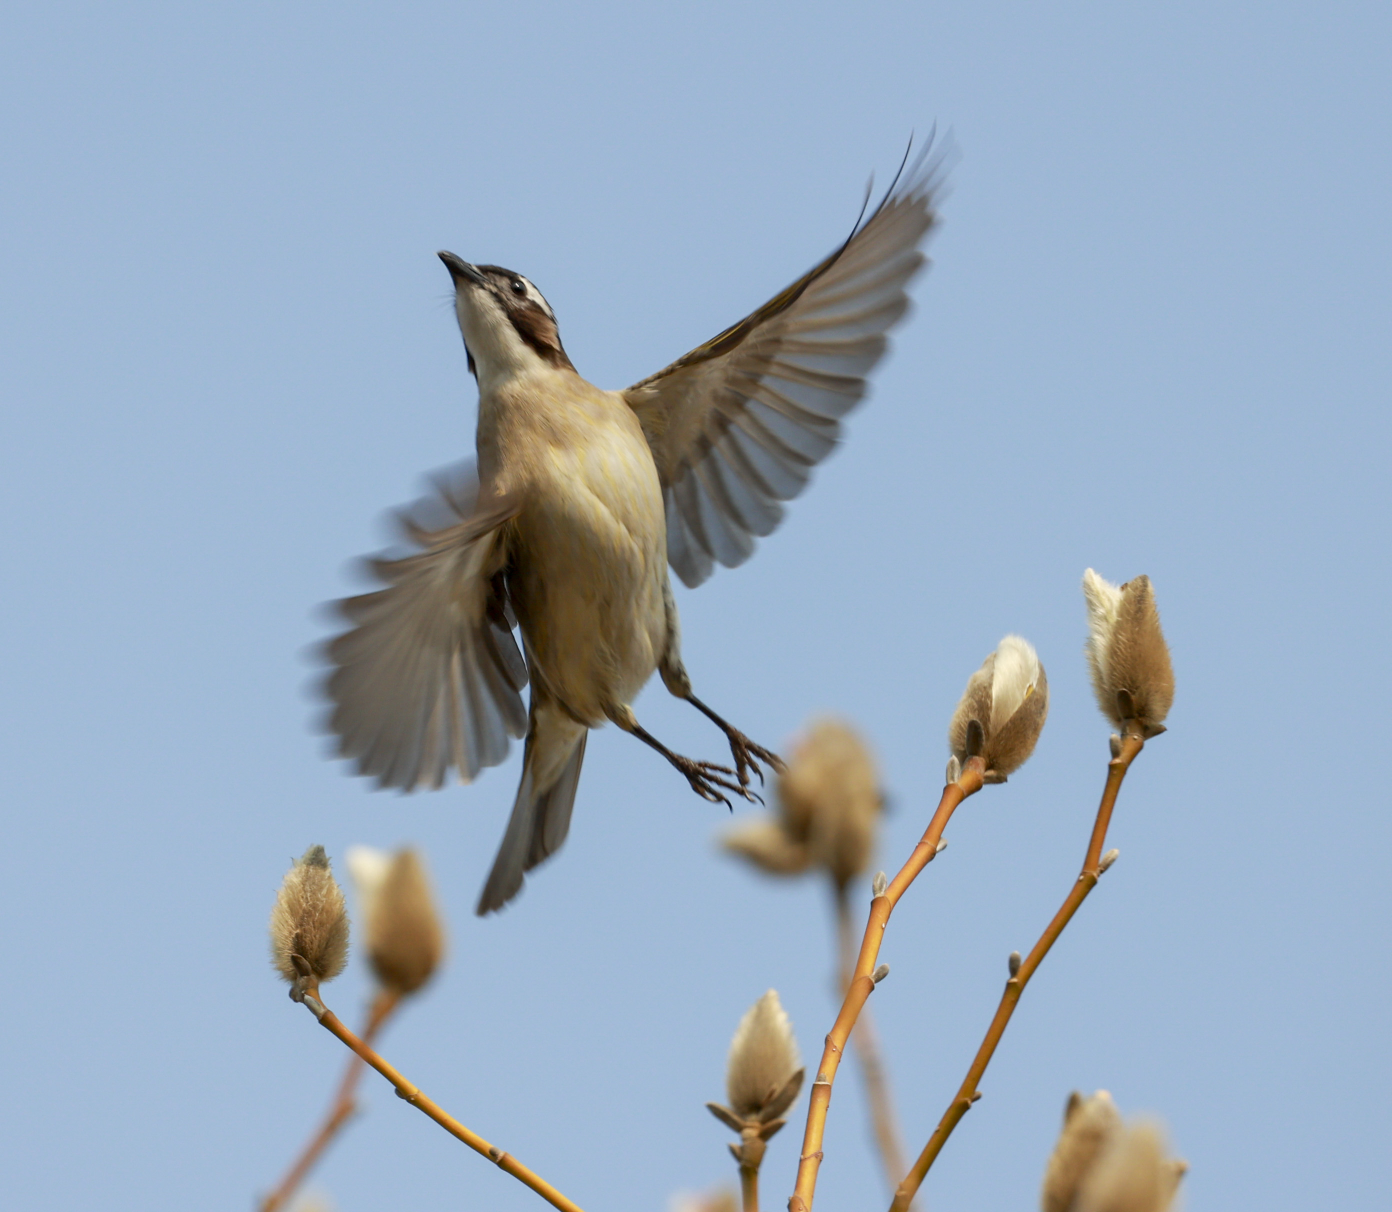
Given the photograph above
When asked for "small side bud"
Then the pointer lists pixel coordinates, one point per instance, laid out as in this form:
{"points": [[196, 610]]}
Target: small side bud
{"points": [[763, 1074], [941, 846], [1089, 1126], [309, 924], [1107, 860], [881, 884], [880, 973], [1014, 963], [1114, 745], [1002, 711], [767, 845], [1127, 655], [954, 770]]}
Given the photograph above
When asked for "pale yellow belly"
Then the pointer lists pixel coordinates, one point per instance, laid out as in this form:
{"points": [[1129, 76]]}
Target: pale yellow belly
{"points": [[590, 565]]}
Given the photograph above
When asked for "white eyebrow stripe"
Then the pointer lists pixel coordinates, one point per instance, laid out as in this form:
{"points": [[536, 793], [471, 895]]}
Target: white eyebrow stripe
{"points": [[536, 296]]}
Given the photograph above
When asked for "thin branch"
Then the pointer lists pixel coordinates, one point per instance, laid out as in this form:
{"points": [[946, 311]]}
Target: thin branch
{"points": [[750, 1155], [341, 1110], [866, 1041], [862, 982], [412, 1094], [968, 1093]]}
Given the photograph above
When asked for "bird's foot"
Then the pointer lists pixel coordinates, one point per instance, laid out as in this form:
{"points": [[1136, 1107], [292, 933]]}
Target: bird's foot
{"points": [[706, 781], [748, 755]]}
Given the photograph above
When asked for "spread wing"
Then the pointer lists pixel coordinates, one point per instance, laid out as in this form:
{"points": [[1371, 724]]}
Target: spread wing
{"points": [[430, 676], [736, 425]]}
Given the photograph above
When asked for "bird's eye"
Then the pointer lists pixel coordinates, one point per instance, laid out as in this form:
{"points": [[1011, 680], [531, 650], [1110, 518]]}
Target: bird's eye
{"points": [[518, 287]]}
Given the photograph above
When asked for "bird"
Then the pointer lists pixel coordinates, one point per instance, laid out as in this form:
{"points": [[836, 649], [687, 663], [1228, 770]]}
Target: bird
{"points": [[577, 506]]}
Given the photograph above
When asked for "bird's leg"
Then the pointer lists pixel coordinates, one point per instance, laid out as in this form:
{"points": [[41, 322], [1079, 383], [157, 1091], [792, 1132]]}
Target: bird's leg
{"points": [[704, 777], [746, 753]]}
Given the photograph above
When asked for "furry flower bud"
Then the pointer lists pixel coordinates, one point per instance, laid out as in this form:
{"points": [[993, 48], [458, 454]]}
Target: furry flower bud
{"points": [[764, 1072], [1127, 654], [829, 804], [1133, 1174], [404, 935], [1089, 1125], [309, 923], [1002, 711]]}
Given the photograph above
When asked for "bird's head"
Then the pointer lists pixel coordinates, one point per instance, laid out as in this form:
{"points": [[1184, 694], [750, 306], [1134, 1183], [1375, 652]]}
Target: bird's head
{"points": [[508, 327]]}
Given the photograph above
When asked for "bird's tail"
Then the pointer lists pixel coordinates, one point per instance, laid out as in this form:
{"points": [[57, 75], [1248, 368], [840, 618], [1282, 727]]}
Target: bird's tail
{"points": [[541, 813]]}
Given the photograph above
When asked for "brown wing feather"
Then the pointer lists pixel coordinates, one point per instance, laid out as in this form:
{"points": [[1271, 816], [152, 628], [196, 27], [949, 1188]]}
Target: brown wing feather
{"points": [[736, 424], [429, 677]]}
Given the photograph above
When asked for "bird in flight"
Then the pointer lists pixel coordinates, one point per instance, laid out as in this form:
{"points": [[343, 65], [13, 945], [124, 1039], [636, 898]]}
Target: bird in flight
{"points": [[564, 527]]}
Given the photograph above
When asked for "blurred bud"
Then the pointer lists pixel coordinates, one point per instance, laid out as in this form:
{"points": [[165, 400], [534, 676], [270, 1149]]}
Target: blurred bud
{"points": [[404, 935], [309, 923], [880, 973], [766, 844], [881, 884], [1133, 1173], [1002, 711], [1089, 1124], [829, 803], [764, 1073], [1013, 963], [722, 1200], [1127, 654], [1107, 860]]}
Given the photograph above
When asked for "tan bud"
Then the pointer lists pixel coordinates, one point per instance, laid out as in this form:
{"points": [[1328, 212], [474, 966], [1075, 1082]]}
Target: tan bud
{"points": [[767, 845], [404, 935], [309, 923], [1127, 654], [830, 794], [1088, 1127], [722, 1200], [763, 1074], [1132, 1174], [1002, 711]]}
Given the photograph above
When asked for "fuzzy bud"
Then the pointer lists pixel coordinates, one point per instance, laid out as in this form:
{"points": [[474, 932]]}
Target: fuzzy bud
{"points": [[1127, 654], [1089, 1124], [829, 803], [1132, 1174], [1013, 963], [1107, 860], [405, 938], [309, 923], [764, 1073], [1002, 711]]}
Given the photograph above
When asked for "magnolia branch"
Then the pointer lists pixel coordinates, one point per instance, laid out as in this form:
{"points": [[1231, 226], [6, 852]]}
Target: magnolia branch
{"points": [[866, 1042], [1093, 866], [412, 1094], [862, 980], [341, 1110]]}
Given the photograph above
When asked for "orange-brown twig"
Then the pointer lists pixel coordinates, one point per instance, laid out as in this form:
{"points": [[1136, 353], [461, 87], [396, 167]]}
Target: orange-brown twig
{"points": [[862, 981], [967, 1093], [341, 1110], [404, 1089], [866, 1042]]}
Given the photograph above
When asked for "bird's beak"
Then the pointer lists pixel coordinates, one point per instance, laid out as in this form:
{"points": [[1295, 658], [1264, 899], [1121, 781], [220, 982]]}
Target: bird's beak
{"points": [[460, 270]]}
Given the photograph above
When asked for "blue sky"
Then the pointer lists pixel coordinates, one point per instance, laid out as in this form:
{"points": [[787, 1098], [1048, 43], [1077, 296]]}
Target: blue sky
{"points": [[1154, 339]]}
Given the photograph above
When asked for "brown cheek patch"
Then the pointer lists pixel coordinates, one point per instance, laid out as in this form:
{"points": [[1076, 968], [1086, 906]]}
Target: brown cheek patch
{"points": [[539, 331]]}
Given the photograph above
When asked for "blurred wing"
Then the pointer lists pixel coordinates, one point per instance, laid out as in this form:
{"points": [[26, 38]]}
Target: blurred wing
{"points": [[736, 425], [430, 677]]}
